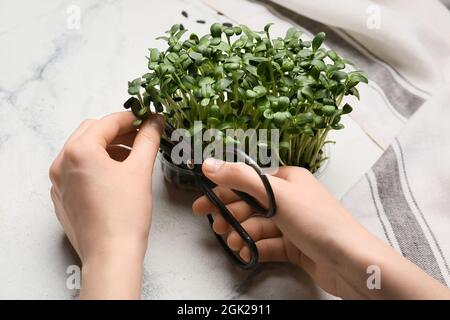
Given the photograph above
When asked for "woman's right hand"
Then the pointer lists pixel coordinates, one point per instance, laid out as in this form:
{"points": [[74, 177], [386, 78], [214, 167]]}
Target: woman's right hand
{"points": [[310, 229]]}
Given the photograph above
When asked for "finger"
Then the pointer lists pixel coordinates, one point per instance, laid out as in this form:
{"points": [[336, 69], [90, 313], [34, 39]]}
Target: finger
{"points": [[238, 176], [258, 228], [203, 205], [240, 210], [55, 168], [268, 250], [290, 173], [81, 129], [110, 127], [146, 144]]}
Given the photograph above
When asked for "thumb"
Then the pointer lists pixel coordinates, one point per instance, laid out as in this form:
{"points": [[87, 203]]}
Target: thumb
{"points": [[146, 144], [237, 176]]}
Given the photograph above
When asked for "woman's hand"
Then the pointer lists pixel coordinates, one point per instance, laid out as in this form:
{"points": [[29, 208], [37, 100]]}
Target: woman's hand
{"points": [[102, 198], [313, 231]]}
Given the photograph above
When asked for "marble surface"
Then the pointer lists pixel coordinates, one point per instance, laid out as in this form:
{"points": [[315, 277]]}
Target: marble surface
{"points": [[53, 76]]}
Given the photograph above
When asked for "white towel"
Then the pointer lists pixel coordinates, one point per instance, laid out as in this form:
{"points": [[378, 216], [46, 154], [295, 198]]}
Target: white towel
{"points": [[404, 46]]}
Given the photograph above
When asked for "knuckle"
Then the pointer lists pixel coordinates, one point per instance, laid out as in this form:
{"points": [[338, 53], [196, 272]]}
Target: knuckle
{"points": [[74, 152], [53, 172], [301, 172], [237, 169], [87, 122], [151, 137]]}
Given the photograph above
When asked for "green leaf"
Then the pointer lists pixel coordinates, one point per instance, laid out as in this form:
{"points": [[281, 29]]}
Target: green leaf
{"points": [[318, 40], [333, 55], [134, 87], [163, 38], [287, 65], [303, 118], [284, 145], [232, 66], [328, 110], [338, 126], [283, 102], [308, 131], [222, 84], [216, 30], [189, 82], [291, 33], [263, 103], [320, 55], [205, 81], [339, 75], [260, 47], [173, 57], [174, 29], [354, 92], [267, 27], [214, 111], [357, 77], [154, 55], [308, 92], [195, 55], [319, 121], [268, 114], [225, 125], [260, 91], [215, 41], [305, 53], [264, 71], [205, 102], [180, 34], [213, 121], [152, 92], [229, 32], [347, 109], [319, 64], [250, 94]]}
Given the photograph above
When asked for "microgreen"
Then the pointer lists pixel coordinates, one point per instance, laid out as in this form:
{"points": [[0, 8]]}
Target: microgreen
{"points": [[237, 78]]}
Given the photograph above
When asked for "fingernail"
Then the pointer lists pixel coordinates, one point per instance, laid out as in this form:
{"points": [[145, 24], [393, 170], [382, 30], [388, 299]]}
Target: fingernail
{"points": [[212, 165]]}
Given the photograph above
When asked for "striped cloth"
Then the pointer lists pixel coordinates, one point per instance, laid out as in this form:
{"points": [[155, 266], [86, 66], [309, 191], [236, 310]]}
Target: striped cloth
{"points": [[404, 47]]}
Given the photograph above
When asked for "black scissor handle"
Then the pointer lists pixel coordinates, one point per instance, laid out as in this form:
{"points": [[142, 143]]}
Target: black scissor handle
{"points": [[207, 186], [237, 227]]}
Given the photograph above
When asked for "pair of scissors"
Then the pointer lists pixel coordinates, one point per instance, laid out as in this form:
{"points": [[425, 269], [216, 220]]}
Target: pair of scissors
{"points": [[207, 186]]}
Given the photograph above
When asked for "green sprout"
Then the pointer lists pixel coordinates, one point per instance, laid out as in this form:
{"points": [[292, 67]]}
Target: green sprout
{"points": [[236, 78]]}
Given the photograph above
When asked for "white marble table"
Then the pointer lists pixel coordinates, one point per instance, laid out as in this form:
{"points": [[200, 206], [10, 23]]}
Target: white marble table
{"points": [[52, 76]]}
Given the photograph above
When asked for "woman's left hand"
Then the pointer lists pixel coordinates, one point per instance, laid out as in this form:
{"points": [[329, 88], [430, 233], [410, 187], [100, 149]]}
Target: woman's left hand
{"points": [[102, 198]]}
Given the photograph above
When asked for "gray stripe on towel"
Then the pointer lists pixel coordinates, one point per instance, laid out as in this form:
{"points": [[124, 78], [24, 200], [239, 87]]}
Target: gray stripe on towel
{"points": [[372, 193], [446, 3], [405, 102], [410, 236], [402, 158]]}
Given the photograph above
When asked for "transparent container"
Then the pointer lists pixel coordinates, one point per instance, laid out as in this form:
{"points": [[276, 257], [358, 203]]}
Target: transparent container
{"points": [[179, 177], [185, 179]]}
